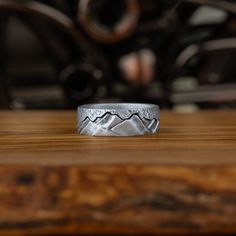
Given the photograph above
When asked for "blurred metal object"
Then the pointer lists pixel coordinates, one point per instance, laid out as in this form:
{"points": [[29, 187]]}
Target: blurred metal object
{"points": [[124, 50], [207, 93], [80, 82], [37, 9], [214, 45], [108, 21], [226, 5]]}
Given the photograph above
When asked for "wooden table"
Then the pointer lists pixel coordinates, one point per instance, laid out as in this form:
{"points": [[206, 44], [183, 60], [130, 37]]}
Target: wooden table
{"points": [[180, 181]]}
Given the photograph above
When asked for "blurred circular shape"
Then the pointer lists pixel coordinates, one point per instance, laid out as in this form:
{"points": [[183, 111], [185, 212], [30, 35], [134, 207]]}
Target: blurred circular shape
{"points": [[80, 82], [109, 21]]}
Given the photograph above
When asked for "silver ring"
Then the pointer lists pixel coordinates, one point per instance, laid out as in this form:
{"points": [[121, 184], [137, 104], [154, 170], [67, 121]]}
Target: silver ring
{"points": [[118, 119]]}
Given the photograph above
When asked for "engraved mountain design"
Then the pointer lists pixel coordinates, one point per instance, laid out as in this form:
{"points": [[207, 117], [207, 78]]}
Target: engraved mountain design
{"points": [[113, 125]]}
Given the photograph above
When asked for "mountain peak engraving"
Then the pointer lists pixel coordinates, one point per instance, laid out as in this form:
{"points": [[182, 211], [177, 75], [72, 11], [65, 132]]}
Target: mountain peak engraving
{"points": [[113, 125]]}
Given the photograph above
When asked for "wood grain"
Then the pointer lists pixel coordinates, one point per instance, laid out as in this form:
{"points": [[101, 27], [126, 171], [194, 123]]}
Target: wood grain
{"points": [[182, 181], [51, 138]]}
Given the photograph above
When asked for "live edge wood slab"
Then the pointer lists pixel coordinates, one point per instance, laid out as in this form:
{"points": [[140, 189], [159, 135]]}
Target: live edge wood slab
{"points": [[182, 181]]}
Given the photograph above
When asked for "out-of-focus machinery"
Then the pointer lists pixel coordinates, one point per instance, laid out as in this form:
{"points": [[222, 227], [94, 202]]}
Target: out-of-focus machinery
{"points": [[59, 54]]}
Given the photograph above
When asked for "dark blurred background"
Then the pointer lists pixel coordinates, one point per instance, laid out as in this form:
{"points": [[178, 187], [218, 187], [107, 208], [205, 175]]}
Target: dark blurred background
{"points": [[58, 54]]}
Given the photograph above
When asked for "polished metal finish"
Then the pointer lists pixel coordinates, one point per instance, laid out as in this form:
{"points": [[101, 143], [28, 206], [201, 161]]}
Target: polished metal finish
{"points": [[118, 119]]}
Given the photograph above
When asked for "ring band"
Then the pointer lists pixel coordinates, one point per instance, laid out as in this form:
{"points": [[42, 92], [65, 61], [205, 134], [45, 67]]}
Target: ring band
{"points": [[118, 119]]}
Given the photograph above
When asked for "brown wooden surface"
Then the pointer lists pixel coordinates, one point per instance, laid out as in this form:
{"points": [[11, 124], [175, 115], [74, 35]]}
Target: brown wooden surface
{"points": [[180, 181]]}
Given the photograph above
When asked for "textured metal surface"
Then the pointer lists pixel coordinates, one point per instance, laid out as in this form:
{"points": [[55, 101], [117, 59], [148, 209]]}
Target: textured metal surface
{"points": [[123, 119]]}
